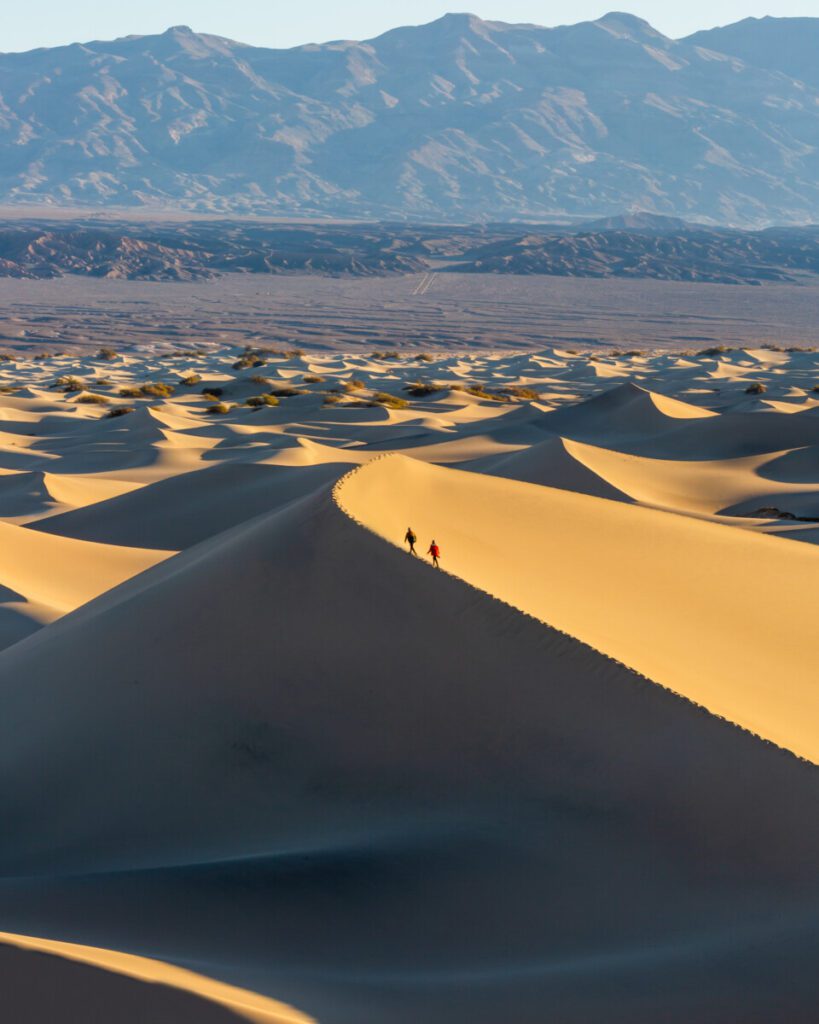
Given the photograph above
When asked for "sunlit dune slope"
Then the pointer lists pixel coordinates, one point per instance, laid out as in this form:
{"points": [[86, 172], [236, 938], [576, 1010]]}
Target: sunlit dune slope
{"points": [[59, 981], [43, 577], [722, 616]]}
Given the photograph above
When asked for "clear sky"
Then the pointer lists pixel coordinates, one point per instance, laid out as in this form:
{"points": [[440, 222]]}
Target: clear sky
{"points": [[25, 25]]}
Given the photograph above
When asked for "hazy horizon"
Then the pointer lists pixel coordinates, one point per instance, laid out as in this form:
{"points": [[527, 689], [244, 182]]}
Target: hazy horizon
{"points": [[46, 23]]}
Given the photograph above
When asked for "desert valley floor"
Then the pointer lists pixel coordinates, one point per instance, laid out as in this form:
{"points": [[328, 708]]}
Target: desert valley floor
{"points": [[257, 753]]}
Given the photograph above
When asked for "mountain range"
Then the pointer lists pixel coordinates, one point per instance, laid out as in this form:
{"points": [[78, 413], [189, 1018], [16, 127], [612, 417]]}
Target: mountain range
{"points": [[633, 246], [459, 120]]}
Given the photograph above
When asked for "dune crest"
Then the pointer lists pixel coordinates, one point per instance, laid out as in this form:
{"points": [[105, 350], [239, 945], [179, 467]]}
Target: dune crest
{"points": [[616, 576], [247, 1006]]}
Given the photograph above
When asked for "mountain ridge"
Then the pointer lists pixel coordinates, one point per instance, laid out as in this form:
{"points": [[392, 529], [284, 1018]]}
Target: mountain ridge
{"points": [[460, 119]]}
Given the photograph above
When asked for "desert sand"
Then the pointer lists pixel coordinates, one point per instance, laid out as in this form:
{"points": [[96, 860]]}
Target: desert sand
{"points": [[260, 763]]}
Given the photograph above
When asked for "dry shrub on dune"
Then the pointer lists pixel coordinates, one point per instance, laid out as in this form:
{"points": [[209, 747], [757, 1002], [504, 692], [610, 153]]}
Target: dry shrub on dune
{"points": [[420, 389], [479, 391], [526, 394], [218, 409], [249, 362], [108, 354], [191, 380], [332, 399], [88, 398], [122, 410], [69, 384], [313, 378], [155, 389], [756, 389], [390, 401], [259, 401], [288, 392], [354, 385]]}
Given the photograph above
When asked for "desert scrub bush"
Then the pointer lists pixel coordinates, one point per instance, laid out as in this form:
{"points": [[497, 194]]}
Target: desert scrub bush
{"points": [[190, 353], [213, 392], [424, 357], [479, 391], [69, 384], [10, 389], [715, 350], [130, 392], [815, 388], [154, 389], [385, 355], [420, 389], [313, 378], [191, 380], [526, 394], [390, 401], [282, 353], [107, 354], [258, 401], [249, 362], [88, 398], [259, 378], [756, 389], [354, 385], [332, 399], [218, 409], [288, 392], [121, 410]]}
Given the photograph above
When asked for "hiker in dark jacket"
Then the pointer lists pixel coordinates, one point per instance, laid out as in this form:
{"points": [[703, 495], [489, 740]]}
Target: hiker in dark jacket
{"points": [[410, 539]]}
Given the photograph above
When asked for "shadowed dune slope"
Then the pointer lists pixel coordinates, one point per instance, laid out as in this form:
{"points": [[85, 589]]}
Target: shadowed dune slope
{"points": [[339, 778], [184, 510], [552, 463], [729, 614]]}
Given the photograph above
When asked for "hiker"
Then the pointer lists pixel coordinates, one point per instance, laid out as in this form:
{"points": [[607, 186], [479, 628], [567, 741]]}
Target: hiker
{"points": [[435, 552], [410, 539]]}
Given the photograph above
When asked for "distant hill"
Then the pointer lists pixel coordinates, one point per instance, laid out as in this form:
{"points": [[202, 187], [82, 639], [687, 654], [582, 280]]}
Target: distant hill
{"points": [[458, 120], [713, 256], [632, 247]]}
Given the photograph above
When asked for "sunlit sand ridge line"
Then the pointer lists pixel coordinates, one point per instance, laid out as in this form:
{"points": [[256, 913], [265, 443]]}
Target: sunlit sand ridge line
{"points": [[247, 1006], [720, 616]]}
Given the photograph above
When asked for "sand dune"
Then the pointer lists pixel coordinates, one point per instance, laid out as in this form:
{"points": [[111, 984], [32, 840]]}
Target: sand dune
{"points": [[44, 577], [46, 980], [294, 760]]}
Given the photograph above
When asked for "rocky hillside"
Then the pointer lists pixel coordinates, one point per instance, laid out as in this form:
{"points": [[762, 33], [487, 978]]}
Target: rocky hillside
{"points": [[461, 119], [638, 246]]}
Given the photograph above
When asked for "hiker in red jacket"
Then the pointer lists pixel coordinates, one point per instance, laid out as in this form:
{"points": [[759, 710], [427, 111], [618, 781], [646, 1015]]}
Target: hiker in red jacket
{"points": [[435, 552]]}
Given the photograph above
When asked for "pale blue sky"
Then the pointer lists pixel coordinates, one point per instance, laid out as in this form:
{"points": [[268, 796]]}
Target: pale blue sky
{"points": [[274, 23]]}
